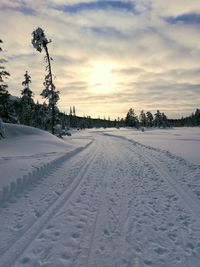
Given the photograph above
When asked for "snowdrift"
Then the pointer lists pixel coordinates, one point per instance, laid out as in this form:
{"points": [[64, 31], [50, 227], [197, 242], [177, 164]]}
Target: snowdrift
{"points": [[28, 154]]}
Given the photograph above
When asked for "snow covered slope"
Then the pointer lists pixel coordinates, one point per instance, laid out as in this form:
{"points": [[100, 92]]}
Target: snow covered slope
{"points": [[27, 150], [112, 202]]}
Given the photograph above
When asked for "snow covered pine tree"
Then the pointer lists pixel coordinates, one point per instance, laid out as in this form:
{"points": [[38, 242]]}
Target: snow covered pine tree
{"points": [[40, 42], [4, 95]]}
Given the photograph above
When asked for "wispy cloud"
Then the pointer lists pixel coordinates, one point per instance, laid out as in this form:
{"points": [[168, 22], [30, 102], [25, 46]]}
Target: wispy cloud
{"points": [[149, 48]]}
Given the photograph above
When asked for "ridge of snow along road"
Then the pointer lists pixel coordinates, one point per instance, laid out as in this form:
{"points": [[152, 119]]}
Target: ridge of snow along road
{"points": [[11, 254], [21, 136]]}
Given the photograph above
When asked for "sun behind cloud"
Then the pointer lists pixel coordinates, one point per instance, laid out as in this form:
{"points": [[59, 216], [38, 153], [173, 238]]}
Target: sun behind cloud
{"points": [[102, 79]]}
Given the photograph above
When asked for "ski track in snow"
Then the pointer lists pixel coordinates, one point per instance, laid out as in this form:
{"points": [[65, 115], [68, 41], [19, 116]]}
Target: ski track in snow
{"points": [[117, 203], [167, 167], [21, 243]]}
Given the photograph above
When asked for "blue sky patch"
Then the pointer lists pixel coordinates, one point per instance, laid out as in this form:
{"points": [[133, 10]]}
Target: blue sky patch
{"points": [[99, 5], [26, 10], [191, 18]]}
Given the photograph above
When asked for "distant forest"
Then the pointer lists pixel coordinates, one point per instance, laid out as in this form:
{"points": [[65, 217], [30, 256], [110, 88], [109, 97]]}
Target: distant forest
{"points": [[24, 110]]}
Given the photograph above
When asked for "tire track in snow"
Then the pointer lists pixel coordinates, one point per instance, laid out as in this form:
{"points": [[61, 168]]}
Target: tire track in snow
{"points": [[189, 249], [190, 201], [19, 246], [105, 237], [187, 196], [32, 180], [92, 237], [101, 193], [90, 198], [25, 183], [86, 200]]}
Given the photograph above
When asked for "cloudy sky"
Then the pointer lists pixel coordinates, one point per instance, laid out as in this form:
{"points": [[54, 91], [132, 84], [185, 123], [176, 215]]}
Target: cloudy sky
{"points": [[108, 55]]}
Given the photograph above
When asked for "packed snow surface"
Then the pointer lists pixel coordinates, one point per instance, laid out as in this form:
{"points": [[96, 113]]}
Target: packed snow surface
{"points": [[184, 142], [100, 198]]}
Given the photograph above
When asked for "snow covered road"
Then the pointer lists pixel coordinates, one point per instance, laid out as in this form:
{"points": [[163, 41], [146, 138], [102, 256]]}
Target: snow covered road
{"points": [[114, 203]]}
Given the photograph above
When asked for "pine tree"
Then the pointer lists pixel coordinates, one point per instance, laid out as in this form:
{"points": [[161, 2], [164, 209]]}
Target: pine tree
{"points": [[149, 119], [74, 111], [4, 95], [131, 119], [143, 119], [74, 118], [26, 92], [197, 117], [2, 129], [41, 117], [164, 120], [40, 42], [27, 103], [158, 119], [70, 111]]}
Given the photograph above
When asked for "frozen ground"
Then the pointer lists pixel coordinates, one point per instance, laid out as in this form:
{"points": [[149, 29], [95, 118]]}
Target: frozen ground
{"points": [[101, 199]]}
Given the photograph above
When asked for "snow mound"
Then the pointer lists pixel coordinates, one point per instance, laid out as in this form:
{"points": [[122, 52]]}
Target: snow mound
{"points": [[27, 154], [25, 140], [15, 130]]}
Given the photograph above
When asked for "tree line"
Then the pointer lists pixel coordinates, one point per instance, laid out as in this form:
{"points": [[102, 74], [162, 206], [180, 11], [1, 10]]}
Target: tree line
{"points": [[25, 111], [11, 110], [190, 121], [160, 120]]}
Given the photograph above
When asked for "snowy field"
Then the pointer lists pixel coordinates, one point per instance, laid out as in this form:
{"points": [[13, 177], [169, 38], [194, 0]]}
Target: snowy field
{"points": [[100, 198], [184, 142]]}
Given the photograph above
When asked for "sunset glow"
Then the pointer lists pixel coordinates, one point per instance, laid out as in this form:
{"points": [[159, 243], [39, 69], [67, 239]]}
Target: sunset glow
{"points": [[102, 80]]}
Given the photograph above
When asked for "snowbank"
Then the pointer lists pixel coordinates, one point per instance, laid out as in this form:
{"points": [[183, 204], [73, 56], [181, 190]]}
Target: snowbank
{"points": [[27, 152]]}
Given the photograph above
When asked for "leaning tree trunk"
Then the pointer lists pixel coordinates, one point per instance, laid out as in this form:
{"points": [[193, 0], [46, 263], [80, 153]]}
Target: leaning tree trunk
{"points": [[52, 88]]}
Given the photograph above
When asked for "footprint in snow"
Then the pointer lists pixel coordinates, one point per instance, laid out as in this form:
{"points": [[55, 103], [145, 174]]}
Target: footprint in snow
{"points": [[190, 246], [148, 262], [75, 235], [106, 232], [57, 233], [65, 257], [25, 260], [160, 250], [49, 227], [79, 226]]}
